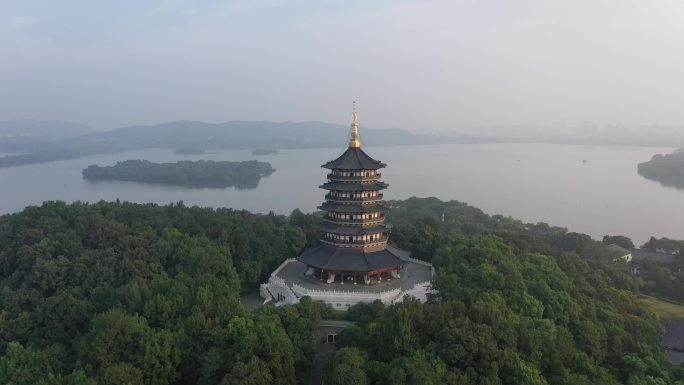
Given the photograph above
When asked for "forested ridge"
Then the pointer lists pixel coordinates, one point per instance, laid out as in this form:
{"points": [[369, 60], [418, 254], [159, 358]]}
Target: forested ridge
{"points": [[515, 304], [115, 293], [667, 169]]}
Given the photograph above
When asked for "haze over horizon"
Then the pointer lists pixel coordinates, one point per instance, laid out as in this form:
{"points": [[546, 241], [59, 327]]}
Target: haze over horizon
{"points": [[428, 66]]}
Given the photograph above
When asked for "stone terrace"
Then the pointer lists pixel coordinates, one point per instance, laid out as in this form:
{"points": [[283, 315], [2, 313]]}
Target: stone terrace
{"points": [[413, 273]]}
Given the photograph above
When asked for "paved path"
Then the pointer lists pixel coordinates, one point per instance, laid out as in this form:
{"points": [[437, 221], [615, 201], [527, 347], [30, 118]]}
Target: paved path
{"points": [[673, 340], [323, 348], [252, 300]]}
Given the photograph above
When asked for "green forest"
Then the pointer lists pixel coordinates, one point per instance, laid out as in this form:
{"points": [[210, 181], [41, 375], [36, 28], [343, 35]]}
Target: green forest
{"points": [[667, 169], [123, 293], [242, 175]]}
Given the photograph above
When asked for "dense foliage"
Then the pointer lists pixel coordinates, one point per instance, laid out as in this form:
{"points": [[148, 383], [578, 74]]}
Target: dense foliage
{"points": [[117, 293], [667, 169], [619, 240], [201, 173], [515, 304], [665, 280]]}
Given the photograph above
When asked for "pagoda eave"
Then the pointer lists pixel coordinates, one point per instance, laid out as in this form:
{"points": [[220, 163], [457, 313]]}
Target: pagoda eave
{"points": [[354, 209], [354, 158], [375, 186], [331, 258], [353, 230]]}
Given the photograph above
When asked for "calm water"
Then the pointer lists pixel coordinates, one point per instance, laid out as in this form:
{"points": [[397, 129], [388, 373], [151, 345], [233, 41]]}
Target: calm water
{"points": [[531, 182]]}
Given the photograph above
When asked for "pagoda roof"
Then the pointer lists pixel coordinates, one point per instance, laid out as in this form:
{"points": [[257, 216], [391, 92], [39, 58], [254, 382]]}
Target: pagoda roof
{"points": [[342, 186], [328, 257], [352, 230], [370, 208], [354, 158]]}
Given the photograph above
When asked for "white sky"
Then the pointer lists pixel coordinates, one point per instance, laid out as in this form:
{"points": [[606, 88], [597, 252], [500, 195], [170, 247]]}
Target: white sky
{"points": [[423, 65]]}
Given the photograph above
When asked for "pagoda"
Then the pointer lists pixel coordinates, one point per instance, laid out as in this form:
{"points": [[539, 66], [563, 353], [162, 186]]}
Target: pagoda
{"points": [[353, 245]]}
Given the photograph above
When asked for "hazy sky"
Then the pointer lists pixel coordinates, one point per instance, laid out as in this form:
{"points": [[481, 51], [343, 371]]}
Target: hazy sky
{"points": [[422, 65]]}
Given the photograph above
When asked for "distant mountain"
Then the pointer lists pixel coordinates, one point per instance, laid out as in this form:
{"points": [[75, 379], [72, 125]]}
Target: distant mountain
{"points": [[208, 136], [27, 136], [247, 135], [34, 128]]}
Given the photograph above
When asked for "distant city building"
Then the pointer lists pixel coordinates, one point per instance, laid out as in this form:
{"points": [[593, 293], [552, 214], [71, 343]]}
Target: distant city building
{"points": [[353, 262]]}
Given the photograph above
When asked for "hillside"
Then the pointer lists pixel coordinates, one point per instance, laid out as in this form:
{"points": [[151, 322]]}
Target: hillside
{"points": [[33, 128], [666, 169], [25, 136], [116, 293]]}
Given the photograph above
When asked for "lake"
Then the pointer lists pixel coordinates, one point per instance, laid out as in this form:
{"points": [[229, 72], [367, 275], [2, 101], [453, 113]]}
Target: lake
{"points": [[589, 189]]}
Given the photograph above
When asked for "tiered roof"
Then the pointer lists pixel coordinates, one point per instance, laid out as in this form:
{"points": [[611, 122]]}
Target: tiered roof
{"points": [[341, 259], [354, 158]]}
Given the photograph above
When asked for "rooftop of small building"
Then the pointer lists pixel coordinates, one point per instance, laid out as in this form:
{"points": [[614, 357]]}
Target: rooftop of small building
{"points": [[640, 255], [656, 256]]}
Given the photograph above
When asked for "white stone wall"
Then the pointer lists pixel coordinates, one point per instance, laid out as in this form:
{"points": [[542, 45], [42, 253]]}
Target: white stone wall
{"points": [[342, 300]]}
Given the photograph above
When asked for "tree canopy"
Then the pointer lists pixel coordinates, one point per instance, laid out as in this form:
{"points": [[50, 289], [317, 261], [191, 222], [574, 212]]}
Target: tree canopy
{"points": [[122, 293], [242, 175]]}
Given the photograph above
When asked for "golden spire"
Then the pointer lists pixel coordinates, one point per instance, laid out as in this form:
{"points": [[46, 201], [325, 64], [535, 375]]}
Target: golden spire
{"points": [[354, 140]]}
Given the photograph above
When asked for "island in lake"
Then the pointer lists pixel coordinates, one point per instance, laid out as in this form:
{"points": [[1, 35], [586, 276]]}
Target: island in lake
{"points": [[666, 169], [241, 175]]}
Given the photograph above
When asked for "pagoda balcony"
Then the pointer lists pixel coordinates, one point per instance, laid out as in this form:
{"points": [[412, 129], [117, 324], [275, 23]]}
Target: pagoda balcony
{"points": [[369, 178], [330, 197], [347, 243], [339, 221], [354, 186]]}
